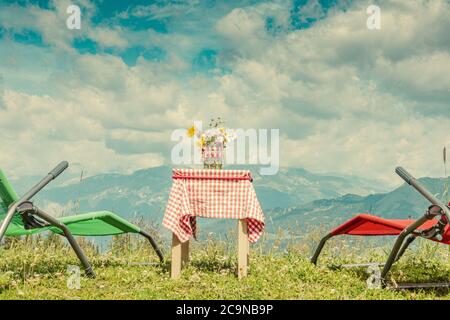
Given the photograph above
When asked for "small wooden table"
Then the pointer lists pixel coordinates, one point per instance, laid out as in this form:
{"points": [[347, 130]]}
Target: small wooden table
{"points": [[223, 194], [180, 252]]}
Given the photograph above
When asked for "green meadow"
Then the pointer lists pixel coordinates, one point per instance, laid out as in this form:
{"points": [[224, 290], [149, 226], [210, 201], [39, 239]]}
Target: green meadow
{"points": [[37, 268]]}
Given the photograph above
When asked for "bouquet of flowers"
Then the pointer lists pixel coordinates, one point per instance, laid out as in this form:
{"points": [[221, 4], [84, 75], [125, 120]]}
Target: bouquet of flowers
{"points": [[212, 142]]}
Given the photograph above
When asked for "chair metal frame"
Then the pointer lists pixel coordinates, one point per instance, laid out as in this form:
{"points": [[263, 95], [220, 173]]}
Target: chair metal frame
{"points": [[411, 232], [27, 209]]}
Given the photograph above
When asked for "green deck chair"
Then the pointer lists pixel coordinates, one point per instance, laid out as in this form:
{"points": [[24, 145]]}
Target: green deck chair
{"points": [[21, 217]]}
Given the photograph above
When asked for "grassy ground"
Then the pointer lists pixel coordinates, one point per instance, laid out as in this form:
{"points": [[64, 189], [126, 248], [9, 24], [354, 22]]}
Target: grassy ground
{"points": [[36, 268]]}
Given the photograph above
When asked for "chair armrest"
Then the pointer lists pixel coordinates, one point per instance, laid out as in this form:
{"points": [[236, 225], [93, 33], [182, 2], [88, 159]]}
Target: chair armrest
{"points": [[405, 175], [46, 180], [59, 169]]}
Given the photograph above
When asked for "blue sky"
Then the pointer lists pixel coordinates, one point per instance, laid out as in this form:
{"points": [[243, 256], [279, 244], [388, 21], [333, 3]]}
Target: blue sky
{"points": [[194, 20], [346, 99]]}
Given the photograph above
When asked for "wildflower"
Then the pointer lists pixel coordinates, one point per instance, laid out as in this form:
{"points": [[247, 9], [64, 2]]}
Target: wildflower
{"points": [[191, 132], [220, 139]]}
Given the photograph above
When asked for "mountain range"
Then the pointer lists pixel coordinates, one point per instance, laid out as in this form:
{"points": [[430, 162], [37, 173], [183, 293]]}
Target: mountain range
{"points": [[293, 196], [401, 203]]}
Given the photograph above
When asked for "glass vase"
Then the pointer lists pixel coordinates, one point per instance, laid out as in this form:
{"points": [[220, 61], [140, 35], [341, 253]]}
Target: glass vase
{"points": [[212, 156]]}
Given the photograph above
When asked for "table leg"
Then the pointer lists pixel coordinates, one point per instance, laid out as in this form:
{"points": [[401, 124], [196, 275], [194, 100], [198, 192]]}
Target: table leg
{"points": [[175, 267], [243, 248], [184, 253], [180, 256]]}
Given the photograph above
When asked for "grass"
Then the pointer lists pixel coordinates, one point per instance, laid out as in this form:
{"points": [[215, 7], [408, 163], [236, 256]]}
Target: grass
{"points": [[36, 268]]}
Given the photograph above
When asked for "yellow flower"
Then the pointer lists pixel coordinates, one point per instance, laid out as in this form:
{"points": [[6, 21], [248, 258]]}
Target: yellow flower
{"points": [[191, 132], [201, 142]]}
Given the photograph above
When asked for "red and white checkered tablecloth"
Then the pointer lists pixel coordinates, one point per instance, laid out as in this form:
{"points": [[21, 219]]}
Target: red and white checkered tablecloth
{"points": [[212, 193]]}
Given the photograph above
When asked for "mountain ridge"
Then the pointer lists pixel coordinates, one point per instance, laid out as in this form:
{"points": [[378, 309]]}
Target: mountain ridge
{"points": [[401, 203], [281, 190], [293, 195]]}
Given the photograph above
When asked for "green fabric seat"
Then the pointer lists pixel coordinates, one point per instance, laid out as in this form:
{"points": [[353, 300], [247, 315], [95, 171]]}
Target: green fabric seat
{"points": [[99, 223]]}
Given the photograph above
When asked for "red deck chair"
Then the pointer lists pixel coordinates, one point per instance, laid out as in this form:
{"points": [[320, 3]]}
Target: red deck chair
{"points": [[433, 225]]}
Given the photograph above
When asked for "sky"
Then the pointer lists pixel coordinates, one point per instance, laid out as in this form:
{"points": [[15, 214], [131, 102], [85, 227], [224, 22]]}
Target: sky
{"points": [[347, 100]]}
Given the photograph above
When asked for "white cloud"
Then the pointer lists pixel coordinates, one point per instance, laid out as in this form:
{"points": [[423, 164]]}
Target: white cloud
{"points": [[108, 38], [39, 131], [51, 24], [354, 88], [346, 99]]}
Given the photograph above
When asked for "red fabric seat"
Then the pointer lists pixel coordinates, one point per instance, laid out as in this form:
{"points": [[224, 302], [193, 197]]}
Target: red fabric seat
{"points": [[368, 225]]}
